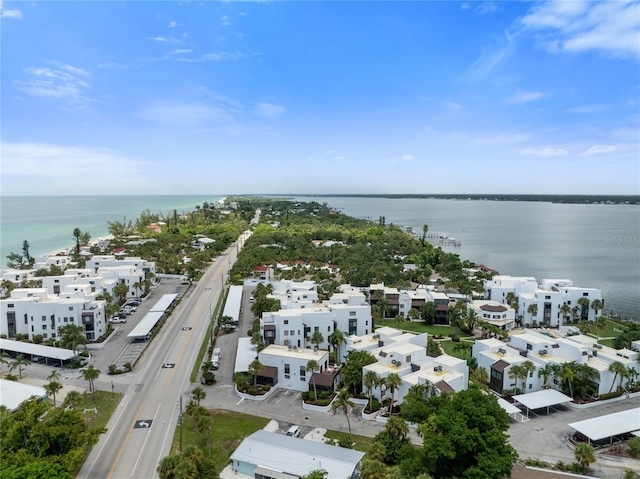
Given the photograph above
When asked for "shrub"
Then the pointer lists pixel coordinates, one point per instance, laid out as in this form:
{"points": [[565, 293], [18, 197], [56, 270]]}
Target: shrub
{"points": [[634, 445], [113, 369], [266, 387], [37, 338], [322, 402], [614, 394], [305, 395], [128, 366], [253, 391], [324, 394]]}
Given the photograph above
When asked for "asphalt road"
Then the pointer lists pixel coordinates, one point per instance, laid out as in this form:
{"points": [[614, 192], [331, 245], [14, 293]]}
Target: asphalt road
{"points": [[140, 431]]}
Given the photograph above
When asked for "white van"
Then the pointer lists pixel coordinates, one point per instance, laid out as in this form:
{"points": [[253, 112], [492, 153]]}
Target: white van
{"points": [[294, 431]]}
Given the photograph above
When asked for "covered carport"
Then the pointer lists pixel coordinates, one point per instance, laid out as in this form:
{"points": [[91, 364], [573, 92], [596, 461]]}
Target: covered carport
{"points": [[144, 328], [32, 351], [545, 399], [512, 411], [604, 429]]}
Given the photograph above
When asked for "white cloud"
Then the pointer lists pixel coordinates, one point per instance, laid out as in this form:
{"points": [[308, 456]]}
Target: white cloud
{"points": [[158, 39], [586, 109], [454, 106], [612, 27], [173, 24], [501, 138], [9, 13], [61, 82], [401, 159], [185, 114], [48, 160], [525, 97], [180, 51], [491, 57], [486, 7], [599, 149], [269, 110], [465, 6], [545, 152]]}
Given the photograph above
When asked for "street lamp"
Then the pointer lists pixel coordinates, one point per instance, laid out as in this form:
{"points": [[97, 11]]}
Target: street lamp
{"points": [[113, 390]]}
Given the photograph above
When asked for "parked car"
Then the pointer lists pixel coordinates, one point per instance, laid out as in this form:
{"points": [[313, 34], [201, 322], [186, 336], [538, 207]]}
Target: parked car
{"points": [[294, 431], [134, 303]]}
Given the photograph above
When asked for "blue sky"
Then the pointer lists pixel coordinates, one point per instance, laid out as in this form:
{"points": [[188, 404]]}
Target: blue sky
{"points": [[144, 97]]}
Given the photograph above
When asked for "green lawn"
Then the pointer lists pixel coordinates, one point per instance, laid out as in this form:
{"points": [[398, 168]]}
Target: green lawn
{"points": [[104, 403], [361, 443], [228, 431], [418, 327]]}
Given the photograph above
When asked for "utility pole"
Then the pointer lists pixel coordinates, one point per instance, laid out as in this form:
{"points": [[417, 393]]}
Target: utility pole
{"points": [[180, 420], [113, 391]]}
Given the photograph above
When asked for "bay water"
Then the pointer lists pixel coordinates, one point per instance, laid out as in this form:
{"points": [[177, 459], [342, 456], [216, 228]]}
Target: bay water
{"points": [[594, 245]]}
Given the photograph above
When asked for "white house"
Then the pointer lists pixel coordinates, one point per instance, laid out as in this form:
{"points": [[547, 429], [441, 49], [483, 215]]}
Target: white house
{"points": [[291, 364], [496, 313]]}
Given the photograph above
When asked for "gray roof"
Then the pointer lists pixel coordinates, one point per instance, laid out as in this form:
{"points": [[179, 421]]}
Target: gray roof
{"points": [[542, 398], [609, 425], [37, 350], [164, 302], [146, 324], [12, 393], [295, 456], [234, 300]]}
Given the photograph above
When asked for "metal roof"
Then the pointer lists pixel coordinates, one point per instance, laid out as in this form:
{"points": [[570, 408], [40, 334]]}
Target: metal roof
{"points": [[164, 302], [146, 324], [541, 399], [609, 425], [37, 350], [507, 406], [232, 305], [13, 393], [295, 456]]}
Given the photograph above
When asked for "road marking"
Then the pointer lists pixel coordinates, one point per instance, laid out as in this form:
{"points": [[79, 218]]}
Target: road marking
{"points": [[241, 399], [124, 445], [144, 444], [294, 399]]}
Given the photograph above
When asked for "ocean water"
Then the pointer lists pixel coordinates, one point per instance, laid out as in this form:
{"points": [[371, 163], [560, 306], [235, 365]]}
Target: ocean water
{"points": [[47, 222], [594, 245]]}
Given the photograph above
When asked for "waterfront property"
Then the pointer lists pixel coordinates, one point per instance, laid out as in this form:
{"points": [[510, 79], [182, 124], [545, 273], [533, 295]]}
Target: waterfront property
{"points": [[550, 303], [545, 352]]}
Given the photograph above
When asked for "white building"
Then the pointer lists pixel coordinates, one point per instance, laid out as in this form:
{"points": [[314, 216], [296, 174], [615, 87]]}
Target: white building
{"points": [[34, 311], [498, 357], [549, 297], [405, 354], [291, 365], [499, 314]]}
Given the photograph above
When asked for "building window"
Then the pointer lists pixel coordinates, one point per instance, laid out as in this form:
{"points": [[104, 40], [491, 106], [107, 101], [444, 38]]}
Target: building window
{"points": [[303, 373], [287, 371], [286, 321], [10, 305], [70, 308], [44, 335], [352, 313], [316, 328], [292, 331], [408, 359], [44, 318], [286, 332], [529, 346], [329, 329]]}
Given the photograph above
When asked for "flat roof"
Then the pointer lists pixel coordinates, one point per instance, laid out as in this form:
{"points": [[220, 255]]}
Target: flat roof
{"points": [[146, 324], [232, 305], [164, 302], [37, 350], [542, 399], [609, 425], [245, 354], [507, 406], [13, 393], [294, 353]]}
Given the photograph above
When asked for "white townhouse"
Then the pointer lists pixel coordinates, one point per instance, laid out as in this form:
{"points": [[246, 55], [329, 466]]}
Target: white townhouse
{"points": [[302, 315], [48, 261], [34, 311], [287, 365], [412, 299], [498, 357], [108, 261], [549, 297], [17, 276], [499, 314], [405, 354], [76, 278]]}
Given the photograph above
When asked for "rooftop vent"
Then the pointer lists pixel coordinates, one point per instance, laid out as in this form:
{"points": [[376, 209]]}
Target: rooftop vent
{"points": [[502, 351]]}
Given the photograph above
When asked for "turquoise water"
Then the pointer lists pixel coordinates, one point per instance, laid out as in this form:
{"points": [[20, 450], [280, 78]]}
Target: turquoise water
{"points": [[47, 222], [593, 245]]}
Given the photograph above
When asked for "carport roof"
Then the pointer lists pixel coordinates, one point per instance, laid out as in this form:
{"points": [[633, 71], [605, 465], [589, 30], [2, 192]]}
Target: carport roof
{"points": [[507, 406], [609, 425], [542, 399], [37, 350]]}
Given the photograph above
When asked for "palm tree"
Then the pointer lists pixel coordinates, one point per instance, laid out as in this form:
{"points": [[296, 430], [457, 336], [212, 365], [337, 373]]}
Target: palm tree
{"points": [[52, 389], [517, 372], [3, 358], [454, 317], [312, 367], [565, 311], [25, 250], [617, 368], [19, 363], [392, 382], [73, 399], [425, 229], [167, 467], [255, 368], [546, 373], [528, 368], [344, 403], [370, 381], [471, 319], [198, 394], [568, 375], [336, 339], [596, 305], [397, 427], [77, 234], [532, 310], [585, 454], [584, 302], [205, 423], [317, 338], [601, 325], [91, 374], [54, 376], [480, 375]]}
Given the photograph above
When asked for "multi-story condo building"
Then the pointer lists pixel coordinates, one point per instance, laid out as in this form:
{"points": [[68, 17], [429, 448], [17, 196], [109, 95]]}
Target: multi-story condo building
{"points": [[498, 358], [550, 303], [35, 311]]}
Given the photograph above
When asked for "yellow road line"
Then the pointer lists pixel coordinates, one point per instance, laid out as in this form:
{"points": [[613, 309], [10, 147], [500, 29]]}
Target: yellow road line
{"points": [[186, 342], [124, 445]]}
